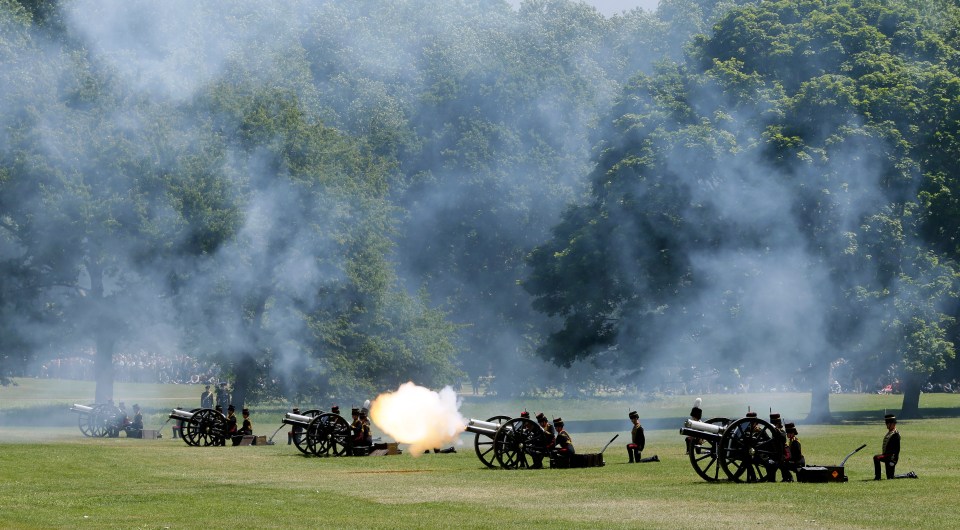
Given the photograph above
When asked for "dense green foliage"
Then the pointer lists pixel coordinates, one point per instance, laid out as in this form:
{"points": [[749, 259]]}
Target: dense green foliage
{"points": [[331, 198], [796, 151]]}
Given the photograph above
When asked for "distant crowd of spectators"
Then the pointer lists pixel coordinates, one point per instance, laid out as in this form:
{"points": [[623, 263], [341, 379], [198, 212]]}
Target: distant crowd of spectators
{"points": [[139, 367]]}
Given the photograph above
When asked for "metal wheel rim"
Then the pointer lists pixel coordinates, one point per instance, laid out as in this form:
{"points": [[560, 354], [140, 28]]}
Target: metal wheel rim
{"points": [[483, 444], [704, 457], [751, 455]]}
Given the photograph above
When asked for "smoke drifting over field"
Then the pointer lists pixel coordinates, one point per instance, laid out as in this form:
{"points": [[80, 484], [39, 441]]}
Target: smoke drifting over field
{"points": [[487, 117]]}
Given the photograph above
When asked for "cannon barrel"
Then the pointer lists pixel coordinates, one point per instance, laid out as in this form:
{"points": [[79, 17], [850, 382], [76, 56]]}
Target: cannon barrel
{"points": [[178, 414], [703, 427], [297, 419], [486, 428], [81, 409]]}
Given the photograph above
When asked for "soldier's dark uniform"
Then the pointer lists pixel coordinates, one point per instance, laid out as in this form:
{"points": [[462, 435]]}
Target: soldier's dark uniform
{"points": [[793, 458], [206, 398], [231, 426], [548, 440], [564, 448], [247, 427], [135, 429], [695, 414], [638, 441], [890, 451], [296, 431]]}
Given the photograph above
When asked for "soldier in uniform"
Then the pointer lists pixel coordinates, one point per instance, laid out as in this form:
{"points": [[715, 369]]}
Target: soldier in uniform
{"points": [[293, 435], [890, 451], [359, 428], [695, 414], [777, 422], [231, 426], [246, 428], [564, 447], [206, 398], [366, 437], [335, 410], [792, 455], [223, 396], [638, 441], [135, 430], [548, 439]]}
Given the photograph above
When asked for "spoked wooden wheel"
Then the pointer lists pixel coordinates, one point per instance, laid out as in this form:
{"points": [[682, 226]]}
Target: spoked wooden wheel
{"points": [[188, 432], [300, 438], [103, 420], [516, 441], [329, 435], [751, 450], [704, 454], [84, 421], [208, 427], [483, 444]]}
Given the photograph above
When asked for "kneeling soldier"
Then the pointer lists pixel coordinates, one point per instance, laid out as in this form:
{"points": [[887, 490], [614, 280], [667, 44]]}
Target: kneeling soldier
{"points": [[638, 441]]}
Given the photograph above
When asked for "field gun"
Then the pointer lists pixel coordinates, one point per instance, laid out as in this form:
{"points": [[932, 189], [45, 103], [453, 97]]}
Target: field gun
{"points": [[520, 443], [747, 450], [201, 427], [99, 420]]}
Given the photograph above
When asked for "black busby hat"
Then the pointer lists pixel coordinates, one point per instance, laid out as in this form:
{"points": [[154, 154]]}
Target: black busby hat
{"points": [[558, 421], [633, 415], [296, 410], [775, 419], [355, 412], [245, 411], [751, 414], [231, 408], [524, 414], [335, 409], [541, 417], [890, 418], [791, 428]]}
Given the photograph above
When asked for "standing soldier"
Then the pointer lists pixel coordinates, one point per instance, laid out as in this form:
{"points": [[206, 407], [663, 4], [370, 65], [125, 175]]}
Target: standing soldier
{"points": [[206, 399], [695, 414], [638, 442], [793, 454], [223, 396]]}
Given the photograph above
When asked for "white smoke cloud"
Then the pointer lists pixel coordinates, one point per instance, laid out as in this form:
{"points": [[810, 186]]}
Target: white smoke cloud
{"points": [[419, 416]]}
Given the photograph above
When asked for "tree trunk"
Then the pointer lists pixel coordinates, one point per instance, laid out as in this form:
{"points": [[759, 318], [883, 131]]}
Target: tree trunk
{"points": [[103, 367], [820, 393], [245, 372], [910, 409], [103, 336]]}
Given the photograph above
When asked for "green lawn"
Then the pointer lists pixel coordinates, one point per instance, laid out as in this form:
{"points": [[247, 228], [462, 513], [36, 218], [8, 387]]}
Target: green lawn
{"points": [[52, 477]]}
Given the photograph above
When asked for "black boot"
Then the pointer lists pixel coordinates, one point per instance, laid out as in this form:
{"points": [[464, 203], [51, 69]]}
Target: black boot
{"points": [[630, 454]]}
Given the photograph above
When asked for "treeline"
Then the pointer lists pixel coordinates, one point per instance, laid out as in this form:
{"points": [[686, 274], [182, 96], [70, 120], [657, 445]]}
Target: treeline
{"points": [[332, 198]]}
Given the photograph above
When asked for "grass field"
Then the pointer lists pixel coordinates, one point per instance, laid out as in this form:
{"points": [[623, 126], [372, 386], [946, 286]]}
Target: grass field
{"points": [[53, 477]]}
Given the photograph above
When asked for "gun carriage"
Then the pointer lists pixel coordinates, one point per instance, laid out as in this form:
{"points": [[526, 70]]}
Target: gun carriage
{"points": [[100, 420], [746, 450], [520, 443], [201, 427], [321, 433]]}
